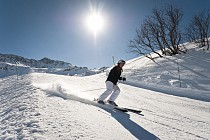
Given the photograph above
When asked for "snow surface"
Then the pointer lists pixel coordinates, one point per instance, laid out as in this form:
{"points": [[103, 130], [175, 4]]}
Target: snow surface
{"points": [[51, 106], [162, 75]]}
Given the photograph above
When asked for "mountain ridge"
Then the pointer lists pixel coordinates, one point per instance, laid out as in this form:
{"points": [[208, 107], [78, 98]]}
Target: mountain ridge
{"points": [[42, 63], [11, 64]]}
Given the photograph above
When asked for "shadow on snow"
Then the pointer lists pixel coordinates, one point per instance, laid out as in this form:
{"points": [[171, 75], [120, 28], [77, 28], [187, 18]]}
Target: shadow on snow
{"points": [[135, 129], [122, 117], [181, 92]]}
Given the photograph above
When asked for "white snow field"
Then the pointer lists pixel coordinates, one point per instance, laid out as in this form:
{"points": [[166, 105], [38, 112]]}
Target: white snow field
{"points": [[57, 107]]}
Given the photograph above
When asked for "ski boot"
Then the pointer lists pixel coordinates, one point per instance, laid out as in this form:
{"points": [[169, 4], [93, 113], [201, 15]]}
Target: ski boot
{"points": [[112, 103], [101, 102]]}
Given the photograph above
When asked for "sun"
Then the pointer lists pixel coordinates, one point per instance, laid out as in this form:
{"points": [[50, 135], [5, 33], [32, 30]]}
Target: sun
{"points": [[95, 22]]}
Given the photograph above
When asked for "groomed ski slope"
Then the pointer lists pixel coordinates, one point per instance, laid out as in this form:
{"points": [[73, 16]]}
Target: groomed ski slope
{"points": [[48, 106], [57, 107]]}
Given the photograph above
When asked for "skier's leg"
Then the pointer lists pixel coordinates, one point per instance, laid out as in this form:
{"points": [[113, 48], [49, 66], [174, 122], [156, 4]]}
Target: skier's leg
{"points": [[115, 94], [109, 89]]}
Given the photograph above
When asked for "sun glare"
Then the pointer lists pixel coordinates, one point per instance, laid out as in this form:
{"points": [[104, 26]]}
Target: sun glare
{"points": [[95, 22]]}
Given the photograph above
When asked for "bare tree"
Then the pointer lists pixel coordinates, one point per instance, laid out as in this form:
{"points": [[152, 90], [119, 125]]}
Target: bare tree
{"points": [[145, 41], [158, 24], [173, 18], [198, 30], [160, 31], [190, 34]]}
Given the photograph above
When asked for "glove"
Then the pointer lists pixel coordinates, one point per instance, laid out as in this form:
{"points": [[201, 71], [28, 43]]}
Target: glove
{"points": [[124, 79], [120, 78]]}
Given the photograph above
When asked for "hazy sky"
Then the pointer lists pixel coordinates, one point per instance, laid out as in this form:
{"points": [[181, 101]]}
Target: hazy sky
{"points": [[57, 29]]}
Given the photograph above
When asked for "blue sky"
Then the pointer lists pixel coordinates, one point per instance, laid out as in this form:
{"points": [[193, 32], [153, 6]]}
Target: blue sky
{"points": [[56, 28]]}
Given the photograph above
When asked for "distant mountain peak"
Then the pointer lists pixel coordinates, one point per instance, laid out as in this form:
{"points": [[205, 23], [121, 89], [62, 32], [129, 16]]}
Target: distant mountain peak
{"points": [[45, 58], [43, 63]]}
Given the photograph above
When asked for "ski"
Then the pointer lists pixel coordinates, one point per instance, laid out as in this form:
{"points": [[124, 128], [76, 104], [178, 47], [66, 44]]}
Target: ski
{"points": [[123, 109], [129, 110], [110, 106]]}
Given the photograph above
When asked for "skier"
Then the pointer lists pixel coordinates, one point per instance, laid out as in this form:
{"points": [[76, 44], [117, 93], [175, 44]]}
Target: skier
{"points": [[111, 84]]}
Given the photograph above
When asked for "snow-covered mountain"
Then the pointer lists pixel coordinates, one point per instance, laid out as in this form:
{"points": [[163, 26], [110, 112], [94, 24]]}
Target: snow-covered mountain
{"points": [[12, 64], [43, 63], [57, 107]]}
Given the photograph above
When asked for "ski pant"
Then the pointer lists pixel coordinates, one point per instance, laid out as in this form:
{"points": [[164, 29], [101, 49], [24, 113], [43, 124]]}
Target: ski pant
{"points": [[110, 88]]}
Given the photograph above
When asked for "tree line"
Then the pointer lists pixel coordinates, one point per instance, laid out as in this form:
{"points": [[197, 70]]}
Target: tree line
{"points": [[163, 31]]}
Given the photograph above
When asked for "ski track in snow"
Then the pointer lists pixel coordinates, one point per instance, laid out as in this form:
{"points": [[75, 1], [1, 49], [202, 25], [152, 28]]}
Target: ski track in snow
{"points": [[19, 109], [49, 106], [37, 107]]}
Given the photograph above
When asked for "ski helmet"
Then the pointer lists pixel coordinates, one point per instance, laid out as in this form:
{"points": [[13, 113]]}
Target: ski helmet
{"points": [[121, 61]]}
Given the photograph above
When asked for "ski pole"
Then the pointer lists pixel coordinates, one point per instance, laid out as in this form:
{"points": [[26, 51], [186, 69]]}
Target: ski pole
{"points": [[93, 89]]}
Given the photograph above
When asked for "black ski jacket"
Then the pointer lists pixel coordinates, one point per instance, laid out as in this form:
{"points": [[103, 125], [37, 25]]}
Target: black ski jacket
{"points": [[114, 75]]}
